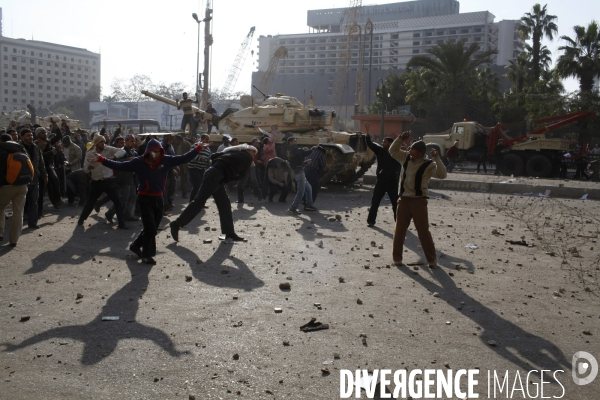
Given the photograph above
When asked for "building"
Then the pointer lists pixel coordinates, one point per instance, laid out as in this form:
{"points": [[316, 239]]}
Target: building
{"points": [[400, 31], [41, 73]]}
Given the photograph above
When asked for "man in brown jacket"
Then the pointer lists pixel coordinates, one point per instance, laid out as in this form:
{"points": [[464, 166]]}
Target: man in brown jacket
{"points": [[417, 170]]}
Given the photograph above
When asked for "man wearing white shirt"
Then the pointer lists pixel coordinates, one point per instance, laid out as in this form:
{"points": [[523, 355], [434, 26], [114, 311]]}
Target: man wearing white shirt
{"points": [[103, 179]]}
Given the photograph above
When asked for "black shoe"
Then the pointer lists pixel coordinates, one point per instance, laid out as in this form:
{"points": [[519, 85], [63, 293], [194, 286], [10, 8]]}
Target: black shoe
{"points": [[97, 207], [369, 223], [132, 219], [108, 217], [138, 252], [34, 227], [149, 260], [174, 230], [234, 237], [310, 208], [122, 227], [240, 201], [169, 207], [293, 211], [80, 223], [13, 244]]}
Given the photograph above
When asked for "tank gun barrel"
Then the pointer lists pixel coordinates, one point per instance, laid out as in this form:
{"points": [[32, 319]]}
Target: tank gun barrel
{"points": [[214, 118]]}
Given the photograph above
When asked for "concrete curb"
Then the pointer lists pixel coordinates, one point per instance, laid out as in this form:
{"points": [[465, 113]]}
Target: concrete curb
{"points": [[504, 188]]}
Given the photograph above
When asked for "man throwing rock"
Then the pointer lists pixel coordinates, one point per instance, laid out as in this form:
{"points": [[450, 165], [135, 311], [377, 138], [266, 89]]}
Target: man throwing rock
{"points": [[230, 165], [417, 170]]}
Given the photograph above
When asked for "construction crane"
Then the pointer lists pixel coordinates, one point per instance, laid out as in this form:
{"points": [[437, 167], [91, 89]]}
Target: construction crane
{"points": [[351, 32], [237, 65], [279, 53]]}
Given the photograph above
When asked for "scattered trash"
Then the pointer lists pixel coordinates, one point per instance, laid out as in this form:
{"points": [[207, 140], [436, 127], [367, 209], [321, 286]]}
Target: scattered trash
{"points": [[278, 310], [521, 242], [110, 318], [471, 246], [545, 194], [188, 278], [369, 283], [584, 197], [313, 325], [206, 241]]}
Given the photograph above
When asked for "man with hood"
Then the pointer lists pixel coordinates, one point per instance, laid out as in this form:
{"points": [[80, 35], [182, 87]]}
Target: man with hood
{"points": [[230, 165], [151, 170], [103, 179], [417, 170]]}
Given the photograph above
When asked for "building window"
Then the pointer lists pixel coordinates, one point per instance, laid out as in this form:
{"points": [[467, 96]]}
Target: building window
{"points": [[71, 90], [56, 96], [416, 43], [72, 67], [71, 74], [416, 51], [416, 35], [453, 32], [48, 87], [464, 31]]}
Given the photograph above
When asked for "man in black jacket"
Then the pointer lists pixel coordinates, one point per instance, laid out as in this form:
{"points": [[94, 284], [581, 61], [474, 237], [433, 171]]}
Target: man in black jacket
{"points": [[230, 165], [37, 160], [388, 170], [53, 184]]}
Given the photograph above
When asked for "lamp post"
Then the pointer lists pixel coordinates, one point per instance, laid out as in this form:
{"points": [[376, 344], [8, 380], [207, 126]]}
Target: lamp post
{"points": [[195, 16], [380, 94]]}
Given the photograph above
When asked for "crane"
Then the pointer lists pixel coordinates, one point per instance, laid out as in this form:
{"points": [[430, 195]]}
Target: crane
{"points": [[352, 32], [280, 52], [237, 65]]}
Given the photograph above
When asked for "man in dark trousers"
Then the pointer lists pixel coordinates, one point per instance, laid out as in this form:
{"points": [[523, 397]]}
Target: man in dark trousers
{"points": [[481, 145], [296, 158], [388, 170], [417, 170], [230, 165], [40, 175], [151, 170], [498, 155]]}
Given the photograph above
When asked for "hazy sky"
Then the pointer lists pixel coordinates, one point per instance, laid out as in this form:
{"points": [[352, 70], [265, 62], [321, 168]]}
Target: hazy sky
{"points": [[159, 38]]}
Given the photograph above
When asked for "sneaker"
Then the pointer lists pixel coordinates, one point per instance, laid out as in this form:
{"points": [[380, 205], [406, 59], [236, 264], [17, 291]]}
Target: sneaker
{"points": [[138, 252], [174, 230], [97, 207], [122, 227], [294, 211], [108, 217], [370, 224], [80, 223], [149, 261], [310, 208]]}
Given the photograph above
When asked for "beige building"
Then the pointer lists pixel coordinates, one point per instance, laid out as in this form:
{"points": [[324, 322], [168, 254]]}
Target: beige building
{"points": [[41, 73], [400, 31]]}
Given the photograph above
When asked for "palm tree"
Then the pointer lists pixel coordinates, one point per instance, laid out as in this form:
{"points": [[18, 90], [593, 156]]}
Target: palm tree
{"points": [[581, 57], [452, 66], [487, 84], [518, 71], [535, 26]]}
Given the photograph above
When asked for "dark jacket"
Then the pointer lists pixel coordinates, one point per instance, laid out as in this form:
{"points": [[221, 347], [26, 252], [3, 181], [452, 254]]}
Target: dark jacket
{"points": [[152, 178], [452, 152], [37, 160], [387, 166], [296, 155], [233, 164]]}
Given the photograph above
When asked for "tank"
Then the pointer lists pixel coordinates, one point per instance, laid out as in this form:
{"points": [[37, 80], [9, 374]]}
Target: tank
{"points": [[17, 115], [347, 154], [24, 117]]}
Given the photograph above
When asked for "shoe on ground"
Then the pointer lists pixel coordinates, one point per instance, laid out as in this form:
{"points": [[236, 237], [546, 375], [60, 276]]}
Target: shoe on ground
{"points": [[97, 207], [174, 231], [149, 261], [122, 227], [234, 237], [370, 224], [240, 201], [293, 211], [132, 219], [432, 266], [13, 244], [310, 208], [398, 263], [138, 252], [108, 217], [80, 223], [34, 227], [169, 207]]}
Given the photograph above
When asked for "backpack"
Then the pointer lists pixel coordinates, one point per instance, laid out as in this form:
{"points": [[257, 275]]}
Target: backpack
{"points": [[15, 166]]}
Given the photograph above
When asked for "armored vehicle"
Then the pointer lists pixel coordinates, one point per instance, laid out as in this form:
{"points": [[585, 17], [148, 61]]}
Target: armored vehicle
{"points": [[345, 151]]}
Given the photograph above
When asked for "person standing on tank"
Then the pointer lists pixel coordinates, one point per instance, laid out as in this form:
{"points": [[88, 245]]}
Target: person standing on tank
{"points": [[210, 110], [388, 170], [188, 112]]}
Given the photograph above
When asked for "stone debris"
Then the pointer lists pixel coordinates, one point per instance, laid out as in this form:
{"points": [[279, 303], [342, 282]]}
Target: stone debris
{"points": [[188, 278], [79, 296], [278, 310], [285, 286]]}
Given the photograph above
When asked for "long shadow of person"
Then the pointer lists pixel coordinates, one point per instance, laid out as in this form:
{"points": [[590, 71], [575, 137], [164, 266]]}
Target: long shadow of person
{"points": [[212, 270], [516, 345], [82, 247], [100, 338]]}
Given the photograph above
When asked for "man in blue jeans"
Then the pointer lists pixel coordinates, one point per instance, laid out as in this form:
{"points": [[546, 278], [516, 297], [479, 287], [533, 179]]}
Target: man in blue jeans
{"points": [[296, 156]]}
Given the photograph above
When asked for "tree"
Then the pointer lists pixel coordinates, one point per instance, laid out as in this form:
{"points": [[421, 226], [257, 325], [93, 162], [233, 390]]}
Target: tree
{"points": [[517, 71], [536, 25], [452, 66], [581, 57]]}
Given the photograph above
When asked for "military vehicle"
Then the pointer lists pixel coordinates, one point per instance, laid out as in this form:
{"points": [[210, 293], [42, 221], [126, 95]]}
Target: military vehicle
{"points": [[531, 154], [345, 151], [24, 117]]}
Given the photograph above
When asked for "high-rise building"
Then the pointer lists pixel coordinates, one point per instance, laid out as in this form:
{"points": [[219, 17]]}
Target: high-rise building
{"points": [[41, 73], [400, 31]]}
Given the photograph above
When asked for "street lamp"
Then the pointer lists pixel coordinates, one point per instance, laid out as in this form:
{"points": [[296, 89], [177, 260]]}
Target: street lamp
{"points": [[195, 16], [380, 94]]}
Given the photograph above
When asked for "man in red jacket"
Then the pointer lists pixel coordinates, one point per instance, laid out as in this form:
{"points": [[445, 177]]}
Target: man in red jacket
{"points": [[452, 155]]}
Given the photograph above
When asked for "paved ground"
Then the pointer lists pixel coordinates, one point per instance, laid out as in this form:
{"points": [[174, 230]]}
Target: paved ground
{"points": [[202, 322]]}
